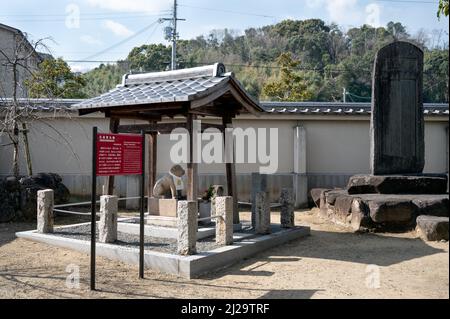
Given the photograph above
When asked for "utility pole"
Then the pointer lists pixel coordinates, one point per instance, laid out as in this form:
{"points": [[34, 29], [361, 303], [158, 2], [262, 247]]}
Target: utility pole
{"points": [[344, 95], [172, 34]]}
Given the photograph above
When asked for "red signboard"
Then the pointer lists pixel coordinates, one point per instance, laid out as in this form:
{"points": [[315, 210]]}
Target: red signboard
{"points": [[119, 154]]}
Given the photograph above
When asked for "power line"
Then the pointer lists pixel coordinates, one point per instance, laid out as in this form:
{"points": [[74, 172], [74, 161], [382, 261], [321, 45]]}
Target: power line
{"points": [[121, 42], [409, 1], [229, 11]]}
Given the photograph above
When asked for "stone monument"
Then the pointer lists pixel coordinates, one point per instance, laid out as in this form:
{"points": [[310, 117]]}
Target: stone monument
{"points": [[397, 143], [396, 191]]}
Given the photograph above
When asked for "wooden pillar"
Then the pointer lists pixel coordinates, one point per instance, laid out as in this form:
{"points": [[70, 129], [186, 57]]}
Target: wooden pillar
{"points": [[152, 161], [192, 172], [231, 174], [113, 128]]}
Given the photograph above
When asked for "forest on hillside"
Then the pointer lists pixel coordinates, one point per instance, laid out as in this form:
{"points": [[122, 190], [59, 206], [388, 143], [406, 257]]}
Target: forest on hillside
{"points": [[304, 60]]}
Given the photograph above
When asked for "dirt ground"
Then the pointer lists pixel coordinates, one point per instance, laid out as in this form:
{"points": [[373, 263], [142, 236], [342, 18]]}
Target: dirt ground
{"points": [[331, 263]]}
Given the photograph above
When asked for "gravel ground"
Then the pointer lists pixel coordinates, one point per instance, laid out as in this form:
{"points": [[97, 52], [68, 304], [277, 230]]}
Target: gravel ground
{"points": [[165, 245]]}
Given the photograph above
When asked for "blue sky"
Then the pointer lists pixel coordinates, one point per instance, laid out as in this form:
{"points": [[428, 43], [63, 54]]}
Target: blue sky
{"points": [[103, 23]]}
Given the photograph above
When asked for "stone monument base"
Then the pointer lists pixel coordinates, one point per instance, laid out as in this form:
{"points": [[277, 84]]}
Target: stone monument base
{"points": [[162, 207], [397, 184], [382, 203]]}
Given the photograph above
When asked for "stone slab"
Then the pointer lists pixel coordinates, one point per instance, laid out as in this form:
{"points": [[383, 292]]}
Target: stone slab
{"points": [[397, 184], [397, 119], [432, 228], [182, 266]]}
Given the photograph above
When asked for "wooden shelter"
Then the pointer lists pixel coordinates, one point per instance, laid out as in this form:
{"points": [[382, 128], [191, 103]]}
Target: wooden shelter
{"points": [[191, 93]]}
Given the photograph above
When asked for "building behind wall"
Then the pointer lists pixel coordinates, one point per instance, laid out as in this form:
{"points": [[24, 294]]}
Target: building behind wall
{"points": [[10, 40], [320, 145]]}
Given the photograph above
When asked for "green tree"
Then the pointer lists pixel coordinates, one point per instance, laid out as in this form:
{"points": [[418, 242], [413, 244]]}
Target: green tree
{"points": [[443, 8], [54, 79], [436, 76], [150, 58], [290, 85]]}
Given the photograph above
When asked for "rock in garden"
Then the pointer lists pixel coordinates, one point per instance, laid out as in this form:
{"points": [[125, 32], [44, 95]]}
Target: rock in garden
{"points": [[316, 193], [391, 210], [432, 228]]}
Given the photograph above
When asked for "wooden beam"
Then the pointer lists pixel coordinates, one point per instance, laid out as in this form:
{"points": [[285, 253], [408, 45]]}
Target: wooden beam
{"points": [[231, 175], [162, 128], [113, 128], [133, 116], [192, 173], [152, 162], [210, 98]]}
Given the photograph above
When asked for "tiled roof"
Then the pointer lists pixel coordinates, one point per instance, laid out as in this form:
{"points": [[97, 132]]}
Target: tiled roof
{"points": [[43, 105], [166, 87], [337, 108]]}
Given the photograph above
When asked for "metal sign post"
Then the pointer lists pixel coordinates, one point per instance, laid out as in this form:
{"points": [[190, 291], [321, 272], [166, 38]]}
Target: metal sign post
{"points": [[113, 155], [141, 221], [93, 204]]}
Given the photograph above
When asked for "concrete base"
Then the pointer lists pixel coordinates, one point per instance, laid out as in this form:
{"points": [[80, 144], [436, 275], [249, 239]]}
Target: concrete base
{"points": [[245, 245]]}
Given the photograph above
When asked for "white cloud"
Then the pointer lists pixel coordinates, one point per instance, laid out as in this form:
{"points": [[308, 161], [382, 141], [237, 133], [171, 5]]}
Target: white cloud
{"points": [[89, 39], [344, 11], [117, 28], [349, 12], [82, 67], [153, 6]]}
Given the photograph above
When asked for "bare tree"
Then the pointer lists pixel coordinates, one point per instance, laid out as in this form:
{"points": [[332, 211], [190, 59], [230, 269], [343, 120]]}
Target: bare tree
{"points": [[19, 112]]}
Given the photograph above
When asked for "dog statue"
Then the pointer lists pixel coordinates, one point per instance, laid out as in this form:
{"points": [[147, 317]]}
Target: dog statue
{"points": [[169, 184]]}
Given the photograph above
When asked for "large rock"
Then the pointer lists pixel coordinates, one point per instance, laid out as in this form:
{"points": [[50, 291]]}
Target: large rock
{"points": [[432, 228], [392, 211], [9, 201], [316, 193], [434, 205], [18, 197], [397, 184], [360, 216]]}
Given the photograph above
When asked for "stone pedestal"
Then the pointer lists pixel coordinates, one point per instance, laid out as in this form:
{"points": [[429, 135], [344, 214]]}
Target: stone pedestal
{"points": [[187, 227], [287, 208], [224, 224], [168, 207], [262, 213], [153, 206], [45, 200], [107, 226]]}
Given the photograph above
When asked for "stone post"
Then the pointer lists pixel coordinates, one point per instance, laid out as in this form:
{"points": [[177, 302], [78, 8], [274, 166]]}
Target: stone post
{"points": [[45, 200], [262, 213], [259, 184], [224, 224], [107, 227], [287, 208], [187, 227]]}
